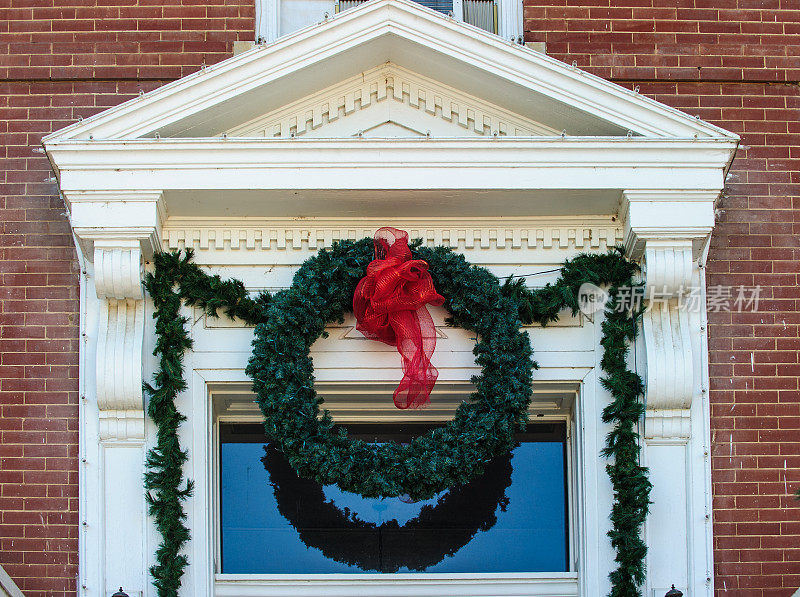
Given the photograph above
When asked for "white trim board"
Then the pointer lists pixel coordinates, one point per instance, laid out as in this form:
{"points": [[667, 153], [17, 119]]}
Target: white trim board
{"points": [[8, 588], [399, 585], [373, 164]]}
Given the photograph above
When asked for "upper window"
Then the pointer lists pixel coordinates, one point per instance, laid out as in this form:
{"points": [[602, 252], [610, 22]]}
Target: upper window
{"points": [[511, 519], [275, 18]]}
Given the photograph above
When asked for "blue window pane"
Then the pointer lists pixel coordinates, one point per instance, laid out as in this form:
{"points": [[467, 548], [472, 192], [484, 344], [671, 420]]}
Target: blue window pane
{"points": [[444, 6], [512, 519]]}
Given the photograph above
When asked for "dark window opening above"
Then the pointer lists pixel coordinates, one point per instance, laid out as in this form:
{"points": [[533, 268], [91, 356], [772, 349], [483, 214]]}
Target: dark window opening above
{"points": [[481, 13]]}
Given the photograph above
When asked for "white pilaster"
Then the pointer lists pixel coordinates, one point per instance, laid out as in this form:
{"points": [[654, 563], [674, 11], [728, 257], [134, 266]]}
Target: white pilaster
{"points": [[117, 230], [114, 232], [668, 231]]}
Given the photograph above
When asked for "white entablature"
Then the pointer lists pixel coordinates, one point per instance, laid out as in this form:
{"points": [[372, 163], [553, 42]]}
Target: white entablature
{"points": [[389, 112], [389, 95]]}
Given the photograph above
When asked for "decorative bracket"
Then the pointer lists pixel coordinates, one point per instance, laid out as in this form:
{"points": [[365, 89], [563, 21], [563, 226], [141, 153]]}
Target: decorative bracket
{"points": [[667, 230], [117, 267], [116, 230]]}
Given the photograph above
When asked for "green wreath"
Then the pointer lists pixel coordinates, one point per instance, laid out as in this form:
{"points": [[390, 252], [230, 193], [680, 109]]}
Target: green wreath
{"points": [[280, 361], [482, 428]]}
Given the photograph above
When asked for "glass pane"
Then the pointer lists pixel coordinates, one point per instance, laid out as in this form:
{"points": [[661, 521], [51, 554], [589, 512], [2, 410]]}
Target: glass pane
{"points": [[345, 4], [444, 6], [296, 14], [480, 13], [512, 519]]}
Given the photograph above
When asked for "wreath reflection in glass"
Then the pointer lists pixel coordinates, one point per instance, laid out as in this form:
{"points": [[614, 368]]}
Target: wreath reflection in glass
{"points": [[437, 532]]}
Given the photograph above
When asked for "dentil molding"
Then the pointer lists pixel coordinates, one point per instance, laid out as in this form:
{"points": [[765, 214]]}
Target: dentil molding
{"points": [[270, 235], [391, 86]]}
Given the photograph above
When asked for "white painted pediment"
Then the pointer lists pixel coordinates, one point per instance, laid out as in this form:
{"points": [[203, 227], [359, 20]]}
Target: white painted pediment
{"points": [[390, 101], [387, 108], [446, 77]]}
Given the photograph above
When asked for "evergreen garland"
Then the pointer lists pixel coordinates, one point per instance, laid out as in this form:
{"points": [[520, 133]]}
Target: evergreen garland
{"points": [[628, 477], [163, 479], [288, 324]]}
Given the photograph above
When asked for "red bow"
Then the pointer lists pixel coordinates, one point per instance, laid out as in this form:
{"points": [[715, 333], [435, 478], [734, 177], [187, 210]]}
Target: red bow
{"points": [[389, 305]]}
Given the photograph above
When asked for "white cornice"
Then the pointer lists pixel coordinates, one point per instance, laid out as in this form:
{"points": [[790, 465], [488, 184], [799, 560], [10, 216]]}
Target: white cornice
{"points": [[401, 31], [474, 163]]}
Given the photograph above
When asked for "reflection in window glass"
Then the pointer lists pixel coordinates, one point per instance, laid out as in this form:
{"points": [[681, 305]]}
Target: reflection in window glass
{"points": [[512, 519], [445, 6]]}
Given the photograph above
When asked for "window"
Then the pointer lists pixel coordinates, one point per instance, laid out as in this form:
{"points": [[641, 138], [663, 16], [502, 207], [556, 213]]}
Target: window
{"points": [[275, 18], [514, 518], [339, 542]]}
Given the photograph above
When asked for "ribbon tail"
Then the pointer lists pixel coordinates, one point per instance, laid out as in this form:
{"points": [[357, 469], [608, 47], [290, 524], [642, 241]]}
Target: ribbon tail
{"points": [[416, 341]]}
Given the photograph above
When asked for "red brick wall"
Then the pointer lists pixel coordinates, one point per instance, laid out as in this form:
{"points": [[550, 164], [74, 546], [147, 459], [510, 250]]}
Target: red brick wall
{"points": [[38, 361], [61, 60], [737, 67]]}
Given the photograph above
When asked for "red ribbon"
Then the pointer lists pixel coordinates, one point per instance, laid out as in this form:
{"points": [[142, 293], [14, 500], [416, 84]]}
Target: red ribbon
{"points": [[389, 305]]}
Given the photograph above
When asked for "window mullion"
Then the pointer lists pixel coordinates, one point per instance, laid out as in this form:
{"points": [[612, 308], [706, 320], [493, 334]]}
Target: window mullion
{"points": [[267, 20], [510, 22]]}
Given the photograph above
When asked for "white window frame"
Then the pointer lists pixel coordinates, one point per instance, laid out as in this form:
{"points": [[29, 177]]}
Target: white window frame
{"points": [[509, 19], [570, 370], [563, 584]]}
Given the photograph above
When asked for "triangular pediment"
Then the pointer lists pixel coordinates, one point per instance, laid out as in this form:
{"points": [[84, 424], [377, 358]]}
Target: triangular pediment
{"points": [[379, 69], [390, 101]]}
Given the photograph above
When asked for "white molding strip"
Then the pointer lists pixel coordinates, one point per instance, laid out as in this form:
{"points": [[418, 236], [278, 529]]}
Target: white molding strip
{"points": [[564, 584], [509, 163], [8, 588], [250, 235]]}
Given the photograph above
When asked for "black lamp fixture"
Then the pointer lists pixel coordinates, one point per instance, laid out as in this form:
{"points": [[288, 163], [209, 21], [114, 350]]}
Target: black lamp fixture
{"points": [[120, 593], [673, 592]]}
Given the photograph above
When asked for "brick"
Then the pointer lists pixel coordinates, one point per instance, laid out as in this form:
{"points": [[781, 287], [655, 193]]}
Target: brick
{"points": [[703, 56]]}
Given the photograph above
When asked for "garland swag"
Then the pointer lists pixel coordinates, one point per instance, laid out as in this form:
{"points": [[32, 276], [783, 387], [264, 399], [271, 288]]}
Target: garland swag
{"points": [[477, 304], [163, 478]]}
